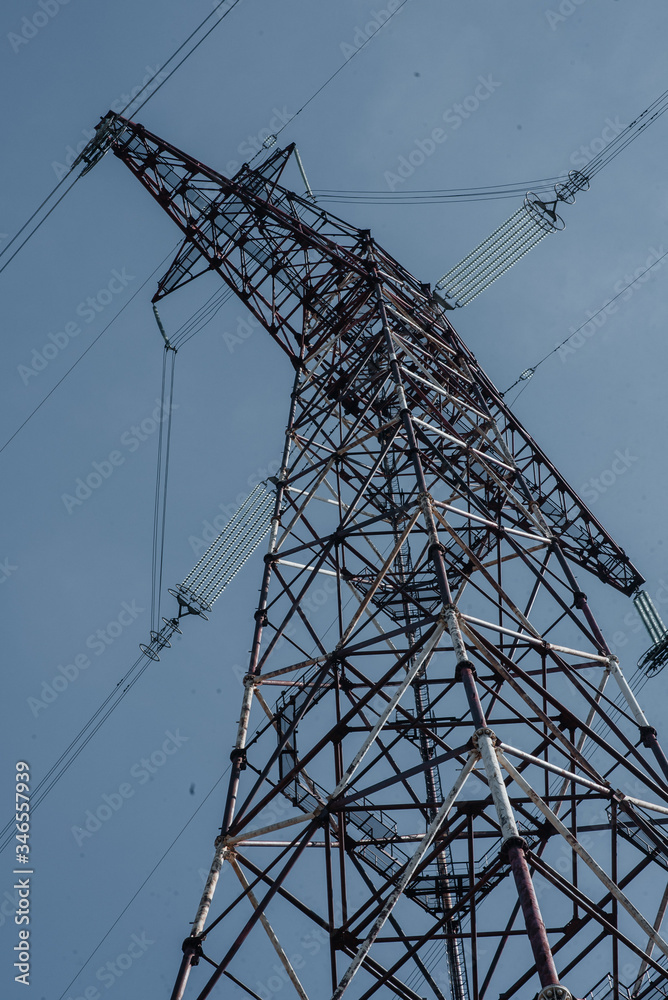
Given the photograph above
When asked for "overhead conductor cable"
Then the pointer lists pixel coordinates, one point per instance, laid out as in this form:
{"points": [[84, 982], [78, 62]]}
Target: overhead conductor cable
{"points": [[204, 585]]}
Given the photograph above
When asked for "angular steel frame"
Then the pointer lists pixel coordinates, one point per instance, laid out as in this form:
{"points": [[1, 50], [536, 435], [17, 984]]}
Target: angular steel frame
{"points": [[428, 758]]}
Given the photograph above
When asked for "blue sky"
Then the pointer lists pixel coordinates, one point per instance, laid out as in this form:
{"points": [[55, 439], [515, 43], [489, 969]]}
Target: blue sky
{"points": [[559, 77]]}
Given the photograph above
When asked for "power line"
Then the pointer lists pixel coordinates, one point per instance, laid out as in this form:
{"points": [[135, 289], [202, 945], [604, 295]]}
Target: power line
{"points": [[37, 210], [531, 223], [197, 322], [188, 54], [435, 196], [41, 221], [202, 317], [132, 101], [529, 372], [655, 110], [200, 589], [71, 752], [148, 877], [332, 76], [90, 346], [490, 192], [161, 481]]}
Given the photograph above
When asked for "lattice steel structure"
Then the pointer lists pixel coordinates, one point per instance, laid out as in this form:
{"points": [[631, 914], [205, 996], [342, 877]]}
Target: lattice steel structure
{"points": [[432, 791]]}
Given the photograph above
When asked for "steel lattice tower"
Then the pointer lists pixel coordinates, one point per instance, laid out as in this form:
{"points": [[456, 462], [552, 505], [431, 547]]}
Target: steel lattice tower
{"points": [[430, 782]]}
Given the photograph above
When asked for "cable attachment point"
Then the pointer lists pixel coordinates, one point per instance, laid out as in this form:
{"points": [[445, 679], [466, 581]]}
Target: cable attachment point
{"points": [[543, 213], [100, 144], [148, 651], [168, 346], [300, 165], [160, 640], [577, 181], [189, 603], [173, 623]]}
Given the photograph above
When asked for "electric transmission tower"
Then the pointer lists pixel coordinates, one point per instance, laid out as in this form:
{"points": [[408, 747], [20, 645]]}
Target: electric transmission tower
{"points": [[442, 785]]}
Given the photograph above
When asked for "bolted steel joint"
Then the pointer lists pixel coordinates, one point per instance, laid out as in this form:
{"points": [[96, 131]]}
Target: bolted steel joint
{"points": [[580, 599], [239, 755], [647, 735], [192, 947], [555, 992], [486, 731], [464, 664], [508, 843]]}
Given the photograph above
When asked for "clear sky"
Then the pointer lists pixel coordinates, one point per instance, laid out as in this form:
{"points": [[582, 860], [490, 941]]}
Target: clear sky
{"points": [[554, 80]]}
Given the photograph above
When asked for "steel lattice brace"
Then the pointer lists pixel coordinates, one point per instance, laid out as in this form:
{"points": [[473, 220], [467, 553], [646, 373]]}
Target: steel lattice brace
{"points": [[429, 777]]}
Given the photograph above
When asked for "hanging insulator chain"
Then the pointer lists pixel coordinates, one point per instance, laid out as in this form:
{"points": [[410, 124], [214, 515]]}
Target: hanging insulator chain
{"points": [[507, 244]]}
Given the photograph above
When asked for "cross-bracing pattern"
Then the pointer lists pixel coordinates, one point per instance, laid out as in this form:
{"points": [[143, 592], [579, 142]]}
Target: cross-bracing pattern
{"points": [[432, 790]]}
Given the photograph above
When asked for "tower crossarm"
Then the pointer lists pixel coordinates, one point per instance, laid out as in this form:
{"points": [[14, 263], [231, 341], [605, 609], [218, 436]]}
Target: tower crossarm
{"points": [[581, 535], [274, 249], [418, 623], [307, 278]]}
